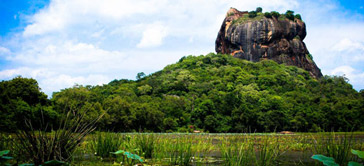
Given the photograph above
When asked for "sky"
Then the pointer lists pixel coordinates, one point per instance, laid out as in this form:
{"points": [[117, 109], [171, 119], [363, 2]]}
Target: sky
{"points": [[61, 43]]}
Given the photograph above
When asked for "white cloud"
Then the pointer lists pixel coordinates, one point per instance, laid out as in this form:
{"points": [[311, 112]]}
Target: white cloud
{"points": [[348, 45], [94, 42], [153, 35], [4, 51]]}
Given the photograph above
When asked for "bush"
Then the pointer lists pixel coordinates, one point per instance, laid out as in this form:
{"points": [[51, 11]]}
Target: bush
{"points": [[259, 10], [298, 16], [252, 14], [290, 14], [40, 146], [275, 14], [268, 15]]}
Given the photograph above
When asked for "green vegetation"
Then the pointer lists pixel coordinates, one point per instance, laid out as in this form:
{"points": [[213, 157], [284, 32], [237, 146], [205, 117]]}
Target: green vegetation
{"points": [[259, 10], [267, 15], [252, 14], [275, 14], [290, 14], [329, 161], [298, 16], [216, 149], [212, 93]]}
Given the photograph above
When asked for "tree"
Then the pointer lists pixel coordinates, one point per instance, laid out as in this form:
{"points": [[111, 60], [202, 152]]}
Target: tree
{"points": [[268, 15], [259, 10], [252, 14], [20, 100], [298, 16], [275, 14], [140, 76], [290, 14]]}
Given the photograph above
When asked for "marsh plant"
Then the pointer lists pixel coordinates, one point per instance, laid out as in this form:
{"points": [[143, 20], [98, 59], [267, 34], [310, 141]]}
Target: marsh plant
{"points": [[180, 151], [146, 144], [335, 146], [128, 158], [41, 146], [235, 154], [103, 143]]}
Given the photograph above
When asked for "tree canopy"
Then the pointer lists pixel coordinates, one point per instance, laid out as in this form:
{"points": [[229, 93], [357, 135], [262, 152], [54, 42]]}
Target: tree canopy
{"points": [[216, 93]]}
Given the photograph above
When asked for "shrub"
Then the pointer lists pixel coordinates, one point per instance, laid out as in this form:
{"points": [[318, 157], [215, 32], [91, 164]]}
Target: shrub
{"points": [[275, 14], [290, 14], [268, 15], [298, 16], [259, 10], [40, 146], [252, 14]]}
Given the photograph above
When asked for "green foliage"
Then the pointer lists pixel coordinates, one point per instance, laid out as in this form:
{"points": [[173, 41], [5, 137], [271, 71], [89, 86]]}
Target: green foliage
{"points": [[328, 161], [290, 14], [21, 99], [140, 76], [252, 14], [359, 153], [40, 146], [104, 143], [275, 14], [180, 152], [4, 158], [145, 143], [298, 16], [268, 15], [259, 10], [214, 93], [130, 159]]}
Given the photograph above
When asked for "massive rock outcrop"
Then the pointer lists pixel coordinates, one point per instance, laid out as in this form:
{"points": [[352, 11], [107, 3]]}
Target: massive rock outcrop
{"points": [[254, 39]]}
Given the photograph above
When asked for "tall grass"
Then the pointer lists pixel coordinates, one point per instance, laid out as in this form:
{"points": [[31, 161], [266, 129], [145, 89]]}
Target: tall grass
{"points": [[146, 143], [268, 151], [40, 146], [180, 151], [336, 146], [236, 155], [103, 143]]}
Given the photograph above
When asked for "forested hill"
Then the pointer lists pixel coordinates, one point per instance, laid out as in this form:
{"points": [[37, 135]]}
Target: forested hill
{"points": [[218, 93]]}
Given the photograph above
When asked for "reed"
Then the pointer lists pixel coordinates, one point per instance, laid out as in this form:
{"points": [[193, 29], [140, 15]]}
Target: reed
{"points": [[103, 143], [40, 146], [335, 146]]}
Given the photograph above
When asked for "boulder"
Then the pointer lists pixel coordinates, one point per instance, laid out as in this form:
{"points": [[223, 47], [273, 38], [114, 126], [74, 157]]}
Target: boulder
{"points": [[259, 38]]}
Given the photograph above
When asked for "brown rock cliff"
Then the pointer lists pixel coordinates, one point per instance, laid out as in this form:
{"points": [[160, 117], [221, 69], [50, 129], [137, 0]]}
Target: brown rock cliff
{"points": [[254, 39]]}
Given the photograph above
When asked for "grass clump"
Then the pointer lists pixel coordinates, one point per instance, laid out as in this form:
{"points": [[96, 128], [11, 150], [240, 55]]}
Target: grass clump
{"points": [[335, 146], [146, 144], [180, 151], [40, 146], [103, 143]]}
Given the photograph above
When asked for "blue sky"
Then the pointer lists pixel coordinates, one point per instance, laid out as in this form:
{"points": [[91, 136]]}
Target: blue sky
{"points": [[64, 42]]}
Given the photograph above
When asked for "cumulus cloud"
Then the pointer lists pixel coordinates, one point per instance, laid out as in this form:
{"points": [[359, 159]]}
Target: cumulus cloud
{"points": [[94, 42], [348, 45], [153, 35]]}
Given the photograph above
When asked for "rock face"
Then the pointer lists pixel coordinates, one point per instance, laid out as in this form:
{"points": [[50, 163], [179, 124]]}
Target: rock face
{"points": [[254, 39]]}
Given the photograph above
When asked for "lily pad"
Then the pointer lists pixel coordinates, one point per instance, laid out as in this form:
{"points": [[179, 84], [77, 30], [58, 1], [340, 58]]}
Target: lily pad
{"points": [[4, 152], [352, 163], [328, 161], [358, 152]]}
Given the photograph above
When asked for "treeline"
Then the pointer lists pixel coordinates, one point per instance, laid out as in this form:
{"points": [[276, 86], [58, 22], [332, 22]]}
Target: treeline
{"points": [[215, 93]]}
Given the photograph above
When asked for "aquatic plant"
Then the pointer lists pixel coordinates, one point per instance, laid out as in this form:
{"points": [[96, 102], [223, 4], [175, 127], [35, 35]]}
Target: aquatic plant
{"points": [[128, 158], [104, 143]]}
